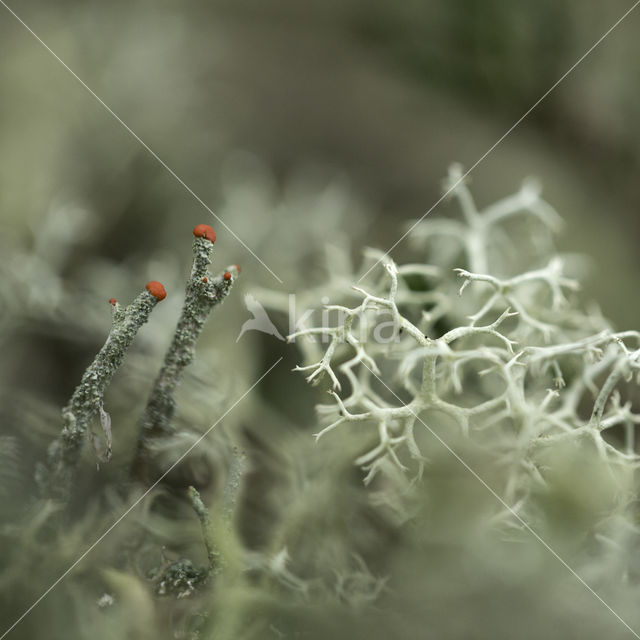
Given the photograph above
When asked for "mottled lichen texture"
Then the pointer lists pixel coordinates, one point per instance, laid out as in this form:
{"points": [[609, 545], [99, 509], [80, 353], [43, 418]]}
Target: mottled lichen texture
{"points": [[511, 359], [87, 401], [181, 578], [203, 293]]}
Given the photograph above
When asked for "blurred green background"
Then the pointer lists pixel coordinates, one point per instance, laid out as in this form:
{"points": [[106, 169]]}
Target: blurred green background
{"points": [[252, 103], [385, 94]]}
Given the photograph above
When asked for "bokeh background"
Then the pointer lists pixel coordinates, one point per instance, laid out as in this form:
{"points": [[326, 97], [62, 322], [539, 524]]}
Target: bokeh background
{"points": [[298, 124], [275, 113]]}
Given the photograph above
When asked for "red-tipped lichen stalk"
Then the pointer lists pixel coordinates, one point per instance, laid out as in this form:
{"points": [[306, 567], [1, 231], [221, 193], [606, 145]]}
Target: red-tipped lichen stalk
{"points": [[203, 293], [86, 403]]}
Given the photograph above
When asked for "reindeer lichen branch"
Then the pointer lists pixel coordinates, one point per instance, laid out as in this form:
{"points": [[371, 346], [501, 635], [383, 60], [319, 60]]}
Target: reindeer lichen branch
{"points": [[512, 399]]}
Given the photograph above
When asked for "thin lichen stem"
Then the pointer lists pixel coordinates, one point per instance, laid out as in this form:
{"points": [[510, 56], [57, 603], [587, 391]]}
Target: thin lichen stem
{"points": [[207, 529], [235, 474]]}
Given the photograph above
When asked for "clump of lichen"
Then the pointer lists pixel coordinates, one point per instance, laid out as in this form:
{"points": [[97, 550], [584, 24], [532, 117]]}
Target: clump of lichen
{"points": [[473, 470], [510, 363], [179, 579]]}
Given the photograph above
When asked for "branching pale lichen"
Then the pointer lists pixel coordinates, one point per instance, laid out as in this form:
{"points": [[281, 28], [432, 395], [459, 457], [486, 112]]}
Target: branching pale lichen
{"points": [[516, 384]]}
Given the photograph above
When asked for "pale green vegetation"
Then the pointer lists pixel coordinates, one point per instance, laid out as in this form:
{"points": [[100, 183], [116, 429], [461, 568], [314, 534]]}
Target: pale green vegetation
{"points": [[478, 456]]}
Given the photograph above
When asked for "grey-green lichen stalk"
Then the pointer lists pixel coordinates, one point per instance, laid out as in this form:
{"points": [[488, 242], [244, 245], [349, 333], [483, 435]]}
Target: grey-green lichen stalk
{"points": [[88, 398], [203, 293]]}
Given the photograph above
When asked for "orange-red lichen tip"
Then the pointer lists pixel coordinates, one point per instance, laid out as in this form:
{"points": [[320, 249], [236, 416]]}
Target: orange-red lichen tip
{"points": [[238, 269], [112, 301], [156, 289], [204, 231], [227, 275]]}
